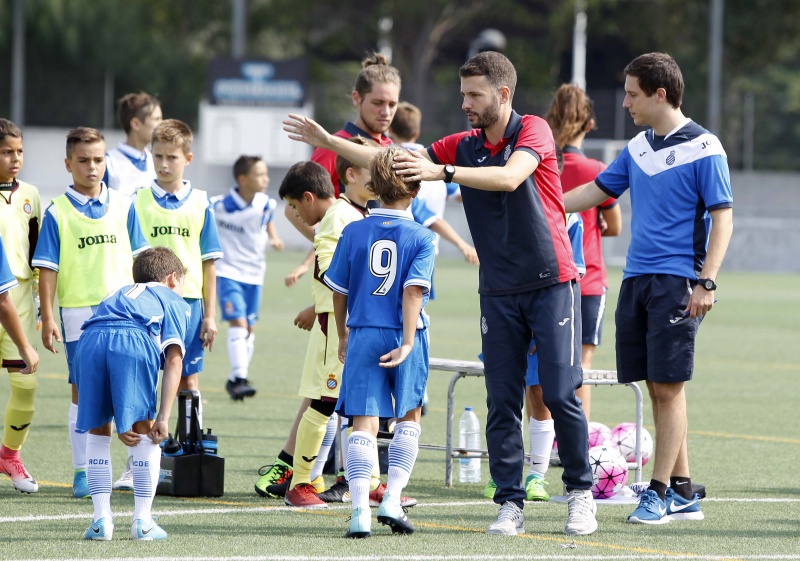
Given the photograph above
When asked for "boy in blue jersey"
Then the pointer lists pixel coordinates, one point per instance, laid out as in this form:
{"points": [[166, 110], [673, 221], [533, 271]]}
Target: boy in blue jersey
{"points": [[245, 225], [124, 343], [381, 275], [176, 215], [678, 176], [88, 240]]}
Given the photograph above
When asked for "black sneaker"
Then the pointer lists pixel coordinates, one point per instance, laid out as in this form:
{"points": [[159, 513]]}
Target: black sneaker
{"points": [[240, 389], [338, 493], [279, 489]]}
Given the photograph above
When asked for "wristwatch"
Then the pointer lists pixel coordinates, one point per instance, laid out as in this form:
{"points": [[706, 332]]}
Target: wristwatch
{"points": [[449, 172], [708, 284]]}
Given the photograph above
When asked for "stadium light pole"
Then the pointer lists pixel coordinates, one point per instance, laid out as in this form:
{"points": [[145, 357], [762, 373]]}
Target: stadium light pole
{"points": [[238, 29], [579, 45], [716, 11], [18, 65]]}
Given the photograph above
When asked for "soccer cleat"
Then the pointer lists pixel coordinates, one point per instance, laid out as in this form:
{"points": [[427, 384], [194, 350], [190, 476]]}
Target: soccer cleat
{"points": [[338, 493], [147, 532], [679, 508], [319, 484], [391, 514], [376, 497], [490, 489], [360, 523], [581, 520], [534, 488], [651, 510], [276, 474], [304, 496], [510, 521], [80, 488], [125, 481], [239, 389], [100, 530], [22, 480]]}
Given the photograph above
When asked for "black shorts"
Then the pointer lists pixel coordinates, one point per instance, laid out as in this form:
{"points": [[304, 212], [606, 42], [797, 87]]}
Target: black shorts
{"points": [[592, 310], [655, 339]]}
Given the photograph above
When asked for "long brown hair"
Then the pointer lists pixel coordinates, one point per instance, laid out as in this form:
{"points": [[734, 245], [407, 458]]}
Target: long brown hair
{"points": [[570, 113]]}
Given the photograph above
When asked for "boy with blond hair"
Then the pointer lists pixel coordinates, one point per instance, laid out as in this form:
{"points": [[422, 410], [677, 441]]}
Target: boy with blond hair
{"points": [[177, 216], [20, 217], [129, 166], [86, 247], [245, 224]]}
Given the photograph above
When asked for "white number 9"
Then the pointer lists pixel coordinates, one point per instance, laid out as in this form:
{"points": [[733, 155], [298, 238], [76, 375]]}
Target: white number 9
{"points": [[383, 264]]}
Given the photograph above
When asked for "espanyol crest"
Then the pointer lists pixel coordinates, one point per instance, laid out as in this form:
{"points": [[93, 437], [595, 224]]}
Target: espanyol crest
{"points": [[671, 158], [507, 152]]}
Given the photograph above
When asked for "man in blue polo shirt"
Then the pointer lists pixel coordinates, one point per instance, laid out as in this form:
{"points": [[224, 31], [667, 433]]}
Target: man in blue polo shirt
{"points": [[511, 190], [677, 173]]}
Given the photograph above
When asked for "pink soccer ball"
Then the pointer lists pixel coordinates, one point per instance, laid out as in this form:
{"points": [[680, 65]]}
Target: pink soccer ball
{"points": [[623, 438], [609, 471], [599, 434]]}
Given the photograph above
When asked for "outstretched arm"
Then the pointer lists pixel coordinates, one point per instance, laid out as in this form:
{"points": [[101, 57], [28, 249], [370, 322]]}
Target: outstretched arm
{"points": [[305, 129], [584, 197]]}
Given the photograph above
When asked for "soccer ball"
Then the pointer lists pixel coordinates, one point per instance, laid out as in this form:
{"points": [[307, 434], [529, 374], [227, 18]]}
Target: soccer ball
{"points": [[599, 434], [623, 438], [609, 471]]}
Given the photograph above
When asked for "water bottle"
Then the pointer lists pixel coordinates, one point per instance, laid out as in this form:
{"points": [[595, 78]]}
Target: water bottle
{"points": [[469, 437], [210, 443]]}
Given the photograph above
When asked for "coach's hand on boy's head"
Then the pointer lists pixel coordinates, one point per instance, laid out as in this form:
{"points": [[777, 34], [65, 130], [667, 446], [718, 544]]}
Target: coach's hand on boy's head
{"points": [[305, 129], [414, 167]]}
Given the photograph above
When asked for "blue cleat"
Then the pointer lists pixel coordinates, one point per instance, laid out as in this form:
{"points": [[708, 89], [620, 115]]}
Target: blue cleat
{"points": [[651, 510], [100, 530], [80, 488], [140, 531], [360, 523], [679, 508], [391, 514]]}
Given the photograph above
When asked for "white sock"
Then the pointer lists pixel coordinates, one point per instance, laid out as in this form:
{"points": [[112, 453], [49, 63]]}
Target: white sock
{"points": [[360, 458], [237, 352], [146, 469], [130, 457], [98, 473], [77, 440], [325, 447], [541, 435], [251, 346], [403, 452], [344, 441]]}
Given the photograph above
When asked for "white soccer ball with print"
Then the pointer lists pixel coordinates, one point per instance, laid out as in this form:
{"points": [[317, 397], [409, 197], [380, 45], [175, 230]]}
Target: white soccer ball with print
{"points": [[623, 438], [609, 471]]}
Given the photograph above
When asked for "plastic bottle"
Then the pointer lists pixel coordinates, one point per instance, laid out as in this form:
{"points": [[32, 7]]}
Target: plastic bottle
{"points": [[210, 443], [469, 437]]}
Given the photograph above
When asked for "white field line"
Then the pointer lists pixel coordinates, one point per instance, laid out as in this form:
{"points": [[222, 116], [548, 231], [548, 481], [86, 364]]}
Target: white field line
{"points": [[278, 509], [520, 557]]}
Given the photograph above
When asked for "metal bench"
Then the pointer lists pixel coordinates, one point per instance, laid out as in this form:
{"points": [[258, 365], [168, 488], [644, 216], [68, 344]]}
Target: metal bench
{"points": [[464, 368]]}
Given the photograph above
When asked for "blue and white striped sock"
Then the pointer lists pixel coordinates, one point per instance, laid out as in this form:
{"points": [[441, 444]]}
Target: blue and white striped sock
{"points": [[360, 459], [98, 473], [403, 452], [146, 469]]}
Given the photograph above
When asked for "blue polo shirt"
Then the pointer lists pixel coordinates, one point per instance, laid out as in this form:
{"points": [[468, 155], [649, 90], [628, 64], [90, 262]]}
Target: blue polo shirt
{"points": [[520, 237], [674, 181]]}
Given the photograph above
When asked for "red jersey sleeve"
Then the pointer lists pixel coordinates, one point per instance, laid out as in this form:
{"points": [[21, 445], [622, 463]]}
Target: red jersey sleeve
{"points": [[444, 151]]}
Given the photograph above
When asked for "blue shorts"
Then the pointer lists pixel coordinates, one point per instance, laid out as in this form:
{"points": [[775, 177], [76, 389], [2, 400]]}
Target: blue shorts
{"points": [[193, 359], [655, 340], [592, 310], [238, 299], [117, 370], [367, 388]]}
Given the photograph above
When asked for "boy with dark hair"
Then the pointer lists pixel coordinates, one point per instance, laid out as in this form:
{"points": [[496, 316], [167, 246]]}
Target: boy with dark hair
{"points": [[129, 166], [381, 275], [245, 225], [88, 240], [20, 217], [118, 358]]}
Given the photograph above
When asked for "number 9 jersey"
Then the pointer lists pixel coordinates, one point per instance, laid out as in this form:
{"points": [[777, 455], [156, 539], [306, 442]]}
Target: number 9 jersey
{"points": [[375, 259]]}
